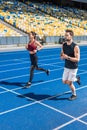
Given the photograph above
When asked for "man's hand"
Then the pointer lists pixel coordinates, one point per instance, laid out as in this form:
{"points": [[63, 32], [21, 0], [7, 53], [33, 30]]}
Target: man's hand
{"points": [[64, 56]]}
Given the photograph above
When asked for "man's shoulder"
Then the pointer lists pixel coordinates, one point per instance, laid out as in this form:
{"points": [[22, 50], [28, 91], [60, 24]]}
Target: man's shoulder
{"points": [[76, 47], [74, 43]]}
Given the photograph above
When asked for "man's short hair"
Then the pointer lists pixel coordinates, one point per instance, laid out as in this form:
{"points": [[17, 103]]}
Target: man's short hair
{"points": [[70, 32]]}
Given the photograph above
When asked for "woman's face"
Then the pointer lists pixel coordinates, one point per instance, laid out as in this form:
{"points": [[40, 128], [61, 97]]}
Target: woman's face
{"points": [[31, 36]]}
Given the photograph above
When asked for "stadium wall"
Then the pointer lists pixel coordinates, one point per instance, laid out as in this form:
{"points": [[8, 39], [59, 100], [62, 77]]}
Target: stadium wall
{"points": [[55, 39], [13, 40], [25, 39]]}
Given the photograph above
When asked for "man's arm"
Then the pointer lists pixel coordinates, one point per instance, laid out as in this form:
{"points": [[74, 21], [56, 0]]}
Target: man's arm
{"points": [[76, 54], [62, 53]]}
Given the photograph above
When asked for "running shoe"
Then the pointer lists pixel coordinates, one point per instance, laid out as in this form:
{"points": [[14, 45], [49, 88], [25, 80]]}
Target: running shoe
{"points": [[27, 85], [47, 72], [73, 97], [78, 80]]}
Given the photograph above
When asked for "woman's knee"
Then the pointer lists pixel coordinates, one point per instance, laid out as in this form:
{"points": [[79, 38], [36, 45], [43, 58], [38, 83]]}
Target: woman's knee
{"points": [[32, 67]]}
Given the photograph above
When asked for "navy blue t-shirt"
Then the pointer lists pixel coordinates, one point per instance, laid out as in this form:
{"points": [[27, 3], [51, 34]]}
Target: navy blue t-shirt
{"points": [[69, 50]]}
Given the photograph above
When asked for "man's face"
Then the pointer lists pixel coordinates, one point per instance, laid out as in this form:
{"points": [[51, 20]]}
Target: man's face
{"points": [[68, 37]]}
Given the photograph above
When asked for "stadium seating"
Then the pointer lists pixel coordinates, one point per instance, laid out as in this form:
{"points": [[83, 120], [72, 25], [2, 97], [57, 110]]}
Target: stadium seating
{"points": [[45, 19], [7, 31]]}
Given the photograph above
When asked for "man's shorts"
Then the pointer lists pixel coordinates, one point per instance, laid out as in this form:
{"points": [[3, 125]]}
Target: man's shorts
{"points": [[69, 74]]}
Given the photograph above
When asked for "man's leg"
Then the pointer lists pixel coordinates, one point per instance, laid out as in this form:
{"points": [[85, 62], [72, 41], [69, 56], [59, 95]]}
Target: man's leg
{"points": [[72, 87], [71, 79]]}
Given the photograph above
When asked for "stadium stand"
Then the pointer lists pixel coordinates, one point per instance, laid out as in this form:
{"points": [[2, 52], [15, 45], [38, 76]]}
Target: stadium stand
{"points": [[7, 31], [44, 18], [73, 17]]}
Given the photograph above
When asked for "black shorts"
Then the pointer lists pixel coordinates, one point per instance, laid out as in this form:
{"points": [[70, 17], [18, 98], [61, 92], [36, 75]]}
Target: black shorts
{"points": [[34, 59]]}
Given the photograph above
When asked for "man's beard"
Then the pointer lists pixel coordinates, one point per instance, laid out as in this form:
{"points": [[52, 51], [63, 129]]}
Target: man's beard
{"points": [[67, 40]]}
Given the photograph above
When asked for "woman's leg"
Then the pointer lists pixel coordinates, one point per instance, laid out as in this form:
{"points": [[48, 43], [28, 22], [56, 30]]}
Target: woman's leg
{"points": [[31, 77], [42, 69], [31, 73], [35, 63]]}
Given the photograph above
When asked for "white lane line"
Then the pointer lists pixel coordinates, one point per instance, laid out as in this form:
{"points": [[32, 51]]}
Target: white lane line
{"points": [[65, 124], [8, 90], [64, 93], [43, 104], [34, 84], [79, 118], [69, 122], [28, 74], [39, 60], [28, 104], [53, 64], [24, 51], [2, 113], [38, 102], [19, 63], [82, 116], [82, 121], [27, 58], [26, 62], [14, 77]]}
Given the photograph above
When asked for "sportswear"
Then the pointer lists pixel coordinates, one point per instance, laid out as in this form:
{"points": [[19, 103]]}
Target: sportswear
{"points": [[69, 50]]}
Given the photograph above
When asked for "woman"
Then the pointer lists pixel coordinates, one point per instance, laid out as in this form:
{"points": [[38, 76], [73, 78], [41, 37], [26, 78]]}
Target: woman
{"points": [[32, 48]]}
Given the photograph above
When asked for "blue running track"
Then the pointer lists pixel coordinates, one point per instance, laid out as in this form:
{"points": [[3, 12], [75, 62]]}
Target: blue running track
{"points": [[45, 105]]}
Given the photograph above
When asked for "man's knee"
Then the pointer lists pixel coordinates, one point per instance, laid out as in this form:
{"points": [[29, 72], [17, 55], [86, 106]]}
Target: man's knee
{"points": [[64, 81], [67, 82]]}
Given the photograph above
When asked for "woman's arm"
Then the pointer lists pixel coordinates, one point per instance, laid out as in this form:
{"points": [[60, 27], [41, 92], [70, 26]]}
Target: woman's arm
{"points": [[39, 45], [26, 46]]}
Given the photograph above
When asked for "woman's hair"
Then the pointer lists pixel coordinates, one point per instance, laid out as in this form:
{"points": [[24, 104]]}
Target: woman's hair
{"points": [[33, 33], [70, 32]]}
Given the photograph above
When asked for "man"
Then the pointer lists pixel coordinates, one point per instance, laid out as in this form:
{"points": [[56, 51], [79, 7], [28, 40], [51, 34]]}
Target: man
{"points": [[71, 54]]}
